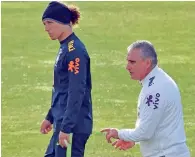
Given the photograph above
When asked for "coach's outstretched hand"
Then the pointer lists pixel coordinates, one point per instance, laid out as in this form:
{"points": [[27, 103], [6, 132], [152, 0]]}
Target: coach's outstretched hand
{"points": [[110, 133], [123, 145]]}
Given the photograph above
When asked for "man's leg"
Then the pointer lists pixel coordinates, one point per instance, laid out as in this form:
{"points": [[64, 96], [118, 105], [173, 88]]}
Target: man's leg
{"points": [[59, 151], [50, 152], [54, 149], [78, 144]]}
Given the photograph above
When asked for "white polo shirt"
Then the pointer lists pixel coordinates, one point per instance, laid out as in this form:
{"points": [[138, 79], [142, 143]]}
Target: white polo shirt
{"points": [[159, 127]]}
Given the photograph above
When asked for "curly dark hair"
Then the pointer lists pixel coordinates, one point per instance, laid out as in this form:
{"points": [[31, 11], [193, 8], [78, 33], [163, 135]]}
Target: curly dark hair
{"points": [[75, 14]]}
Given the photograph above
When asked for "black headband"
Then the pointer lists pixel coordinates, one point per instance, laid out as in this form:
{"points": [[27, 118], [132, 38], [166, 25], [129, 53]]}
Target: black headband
{"points": [[57, 12]]}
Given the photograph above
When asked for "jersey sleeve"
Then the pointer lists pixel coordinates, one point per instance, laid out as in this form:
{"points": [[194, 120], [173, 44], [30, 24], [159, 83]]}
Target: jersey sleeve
{"points": [[77, 69], [151, 110], [49, 116]]}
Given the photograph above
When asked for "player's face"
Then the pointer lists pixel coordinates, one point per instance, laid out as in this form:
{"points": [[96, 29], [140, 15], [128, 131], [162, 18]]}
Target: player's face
{"points": [[137, 66], [54, 29]]}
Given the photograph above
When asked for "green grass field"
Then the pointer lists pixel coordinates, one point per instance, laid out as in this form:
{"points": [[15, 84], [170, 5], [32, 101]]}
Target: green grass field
{"points": [[107, 29]]}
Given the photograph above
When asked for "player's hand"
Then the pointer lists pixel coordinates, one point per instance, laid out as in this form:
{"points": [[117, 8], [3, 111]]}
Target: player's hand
{"points": [[64, 139], [123, 145], [46, 127], [110, 133]]}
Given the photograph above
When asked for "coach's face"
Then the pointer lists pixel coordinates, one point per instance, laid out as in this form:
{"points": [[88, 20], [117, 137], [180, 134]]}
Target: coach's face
{"points": [[54, 29], [136, 65]]}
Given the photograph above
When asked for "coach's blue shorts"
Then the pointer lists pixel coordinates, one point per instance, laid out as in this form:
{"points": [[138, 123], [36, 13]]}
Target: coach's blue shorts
{"points": [[78, 145]]}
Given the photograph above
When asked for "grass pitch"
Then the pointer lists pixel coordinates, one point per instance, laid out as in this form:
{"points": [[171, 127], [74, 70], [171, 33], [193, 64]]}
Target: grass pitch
{"points": [[107, 29]]}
